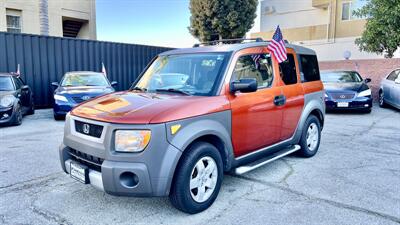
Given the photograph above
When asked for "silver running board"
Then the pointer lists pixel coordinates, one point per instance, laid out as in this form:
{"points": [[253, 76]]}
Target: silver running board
{"points": [[263, 161]]}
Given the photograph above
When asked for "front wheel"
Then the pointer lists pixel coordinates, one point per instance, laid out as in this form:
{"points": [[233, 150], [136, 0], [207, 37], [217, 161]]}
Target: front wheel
{"points": [[382, 103], [197, 179], [17, 120], [310, 137]]}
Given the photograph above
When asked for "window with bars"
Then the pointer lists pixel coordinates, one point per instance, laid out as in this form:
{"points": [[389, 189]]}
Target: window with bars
{"points": [[13, 24]]}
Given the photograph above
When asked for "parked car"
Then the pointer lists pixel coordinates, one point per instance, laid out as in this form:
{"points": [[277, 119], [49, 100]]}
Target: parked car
{"points": [[193, 115], [346, 90], [16, 99], [76, 87], [389, 92]]}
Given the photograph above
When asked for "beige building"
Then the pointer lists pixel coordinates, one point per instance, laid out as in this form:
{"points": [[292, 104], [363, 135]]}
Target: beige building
{"points": [[62, 18], [327, 26]]}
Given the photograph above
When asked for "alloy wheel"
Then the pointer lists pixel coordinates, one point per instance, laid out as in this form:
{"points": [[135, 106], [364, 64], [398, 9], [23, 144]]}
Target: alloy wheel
{"points": [[203, 179], [312, 136]]}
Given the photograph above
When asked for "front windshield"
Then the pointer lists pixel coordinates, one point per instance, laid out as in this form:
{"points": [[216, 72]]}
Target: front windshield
{"points": [[90, 79], [6, 83], [340, 77], [195, 74]]}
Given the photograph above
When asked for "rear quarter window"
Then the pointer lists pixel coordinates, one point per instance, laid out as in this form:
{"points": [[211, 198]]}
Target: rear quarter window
{"points": [[309, 68]]}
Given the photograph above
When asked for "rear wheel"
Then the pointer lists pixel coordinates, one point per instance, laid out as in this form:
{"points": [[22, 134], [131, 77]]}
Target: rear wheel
{"points": [[382, 103], [310, 137], [197, 179]]}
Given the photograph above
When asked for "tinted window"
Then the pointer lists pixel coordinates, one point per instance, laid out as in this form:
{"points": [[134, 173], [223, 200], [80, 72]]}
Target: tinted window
{"points": [[196, 74], [18, 83], [287, 70], [79, 79], [340, 77], [309, 67], [258, 66], [6, 83], [393, 75]]}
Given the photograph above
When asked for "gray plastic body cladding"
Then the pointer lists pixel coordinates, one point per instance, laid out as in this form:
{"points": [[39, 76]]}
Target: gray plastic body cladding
{"points": [[217, 124], [154, 166]]}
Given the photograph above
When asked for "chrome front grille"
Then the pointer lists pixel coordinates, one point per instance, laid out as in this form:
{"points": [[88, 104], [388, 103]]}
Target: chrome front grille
{"points": [[342, 95]]}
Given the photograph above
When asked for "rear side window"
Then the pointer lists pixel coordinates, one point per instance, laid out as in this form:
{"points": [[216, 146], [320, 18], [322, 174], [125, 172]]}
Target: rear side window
{"points": [[287, 70], [309, 68], [257, 66]]}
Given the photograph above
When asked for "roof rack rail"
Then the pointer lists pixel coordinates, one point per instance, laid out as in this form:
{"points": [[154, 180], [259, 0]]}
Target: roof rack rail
{"points": [[228, 41]]}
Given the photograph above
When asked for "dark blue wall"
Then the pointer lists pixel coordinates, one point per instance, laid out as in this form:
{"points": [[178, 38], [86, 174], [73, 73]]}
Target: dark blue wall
{"points": [[45, 59]]}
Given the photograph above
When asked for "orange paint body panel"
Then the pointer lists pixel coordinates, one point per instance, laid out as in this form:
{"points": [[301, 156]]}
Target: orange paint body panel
{"points": [[143, 108]]}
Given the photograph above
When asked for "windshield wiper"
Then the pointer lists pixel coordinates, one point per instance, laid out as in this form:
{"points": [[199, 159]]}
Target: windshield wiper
{"points": [[173, 91], [138, 89]]}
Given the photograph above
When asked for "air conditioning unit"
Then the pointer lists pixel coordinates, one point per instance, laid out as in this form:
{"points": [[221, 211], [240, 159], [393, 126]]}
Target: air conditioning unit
{"points": [[268, 10]]}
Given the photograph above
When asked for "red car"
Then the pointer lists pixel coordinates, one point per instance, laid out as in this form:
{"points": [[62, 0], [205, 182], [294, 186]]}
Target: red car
{"points": [[193, 115]]}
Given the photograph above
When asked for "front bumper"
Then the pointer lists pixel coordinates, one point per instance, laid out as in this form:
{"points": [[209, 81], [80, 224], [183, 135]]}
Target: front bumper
{"points": [[6, 115], [358, 103], [62, 108], [148, 173]]}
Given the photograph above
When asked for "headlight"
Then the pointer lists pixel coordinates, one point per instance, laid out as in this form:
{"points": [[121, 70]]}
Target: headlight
{"points": [[60, 98], [364, 93], [131, 140], [7, 101]]}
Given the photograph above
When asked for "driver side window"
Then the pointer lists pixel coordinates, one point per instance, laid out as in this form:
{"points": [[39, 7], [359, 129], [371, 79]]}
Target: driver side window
{"points": [[257, 66]]}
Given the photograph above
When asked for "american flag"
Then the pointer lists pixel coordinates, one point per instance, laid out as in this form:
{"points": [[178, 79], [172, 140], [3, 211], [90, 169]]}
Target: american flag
{"points": [[256, 58], [103, 69], [277, 46]]}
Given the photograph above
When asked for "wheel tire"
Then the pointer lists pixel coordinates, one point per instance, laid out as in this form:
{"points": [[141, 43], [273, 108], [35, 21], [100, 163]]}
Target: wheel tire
{"points": [[17, 120], [310, 148], [181, 192], [31, 110], [382, 103], [58, 117]]}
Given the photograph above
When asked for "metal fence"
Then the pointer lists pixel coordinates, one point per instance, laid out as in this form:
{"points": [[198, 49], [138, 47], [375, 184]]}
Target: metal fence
{"points": [[45, 59]]}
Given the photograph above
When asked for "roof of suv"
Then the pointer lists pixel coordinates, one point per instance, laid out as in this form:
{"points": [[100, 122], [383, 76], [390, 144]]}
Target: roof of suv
{"points": [[235, 47]]}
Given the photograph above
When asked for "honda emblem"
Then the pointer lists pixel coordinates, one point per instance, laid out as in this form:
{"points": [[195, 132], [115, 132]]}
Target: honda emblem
{"points": [[86, 128]]}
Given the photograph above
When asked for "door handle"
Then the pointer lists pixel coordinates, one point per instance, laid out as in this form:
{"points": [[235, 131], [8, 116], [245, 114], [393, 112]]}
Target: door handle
{"points": [[280, 100]]}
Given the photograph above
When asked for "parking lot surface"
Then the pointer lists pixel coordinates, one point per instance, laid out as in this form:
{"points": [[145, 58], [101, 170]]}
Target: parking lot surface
{"points": [[354, 179]]}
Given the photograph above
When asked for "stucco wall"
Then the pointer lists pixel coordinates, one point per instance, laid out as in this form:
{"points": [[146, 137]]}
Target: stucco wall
{"points": [[376, 69]]}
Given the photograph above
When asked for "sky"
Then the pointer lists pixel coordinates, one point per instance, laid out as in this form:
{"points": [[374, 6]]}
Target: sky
{"points": [[149, 22]]}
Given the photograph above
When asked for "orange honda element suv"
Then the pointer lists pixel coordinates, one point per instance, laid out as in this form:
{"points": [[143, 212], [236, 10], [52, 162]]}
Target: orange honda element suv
{"points": [[194, 114]]}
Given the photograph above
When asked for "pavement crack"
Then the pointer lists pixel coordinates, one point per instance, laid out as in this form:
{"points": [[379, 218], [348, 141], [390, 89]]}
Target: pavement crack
{"points": [[288, 174], [327, 201], [28, 184], [52, 217]]}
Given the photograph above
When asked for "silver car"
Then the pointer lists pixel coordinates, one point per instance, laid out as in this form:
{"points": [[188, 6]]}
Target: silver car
{"points": [[389, 92]]}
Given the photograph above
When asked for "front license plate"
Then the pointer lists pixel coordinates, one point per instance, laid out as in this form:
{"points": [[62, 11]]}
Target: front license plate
{"points": [[79, 172], [342, 104]]}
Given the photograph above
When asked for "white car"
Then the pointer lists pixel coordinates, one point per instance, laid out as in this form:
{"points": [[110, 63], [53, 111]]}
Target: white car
{"points": [[389, 92]]}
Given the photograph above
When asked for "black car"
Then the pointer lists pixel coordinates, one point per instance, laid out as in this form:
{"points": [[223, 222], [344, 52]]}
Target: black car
{"points": [[16, 99], [346, 90]]}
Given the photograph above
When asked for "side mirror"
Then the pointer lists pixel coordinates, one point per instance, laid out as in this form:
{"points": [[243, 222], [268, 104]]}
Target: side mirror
{"points": [[55, 84], [25, 87], [244, 85], [367, 80], [114, 83]]}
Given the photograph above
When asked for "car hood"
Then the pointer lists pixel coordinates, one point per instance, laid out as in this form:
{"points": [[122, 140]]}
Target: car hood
{"points": [[130, 107], [83, 90], [351, 86], [3, 93]]}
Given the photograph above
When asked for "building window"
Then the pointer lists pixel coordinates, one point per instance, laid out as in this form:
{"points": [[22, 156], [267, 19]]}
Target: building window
{"points": [[13, 21], [349, 7]]}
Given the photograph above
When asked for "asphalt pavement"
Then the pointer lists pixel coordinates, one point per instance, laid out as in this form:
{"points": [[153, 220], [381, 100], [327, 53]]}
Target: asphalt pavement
{"points": [[353, 179]]}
